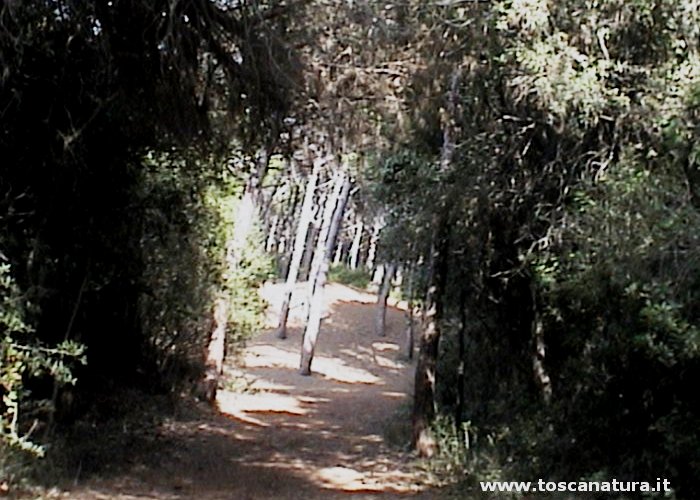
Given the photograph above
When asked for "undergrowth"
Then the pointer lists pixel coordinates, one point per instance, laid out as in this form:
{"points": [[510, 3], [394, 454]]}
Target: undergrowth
{"points": [[358, 278]]}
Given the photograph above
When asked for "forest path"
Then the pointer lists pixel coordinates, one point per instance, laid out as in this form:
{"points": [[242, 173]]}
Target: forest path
{"points": [[336, 434]]}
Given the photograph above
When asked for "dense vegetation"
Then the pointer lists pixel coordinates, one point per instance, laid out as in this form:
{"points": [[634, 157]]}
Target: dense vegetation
{"points": [[567, 217], [532, 167], [116, 186]]}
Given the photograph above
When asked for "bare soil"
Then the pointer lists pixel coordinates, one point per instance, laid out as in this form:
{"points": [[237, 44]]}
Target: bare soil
{"points": [[277, 435]]}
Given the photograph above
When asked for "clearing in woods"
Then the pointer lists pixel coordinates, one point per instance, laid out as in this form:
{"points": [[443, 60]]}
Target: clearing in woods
{"points": [[292, 437]]}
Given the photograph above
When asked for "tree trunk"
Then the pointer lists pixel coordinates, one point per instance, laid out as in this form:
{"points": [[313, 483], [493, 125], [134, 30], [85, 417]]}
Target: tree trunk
{"points": [[410, 323], [321, 244], [461, 334], [356, 244], [309, 246], [298, 251], [426, 368], [539, 349], [372, 252], [271, 242], [382, 296], [313, 324], [287, 228], [339, 250], [216, 351]]}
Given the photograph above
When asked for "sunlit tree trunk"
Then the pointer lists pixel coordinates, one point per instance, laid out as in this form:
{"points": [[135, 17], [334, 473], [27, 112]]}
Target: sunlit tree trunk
{"points": [[356, 243], [320, 252], [286, 231], [309, 247], [382, 296], [339, 250], [279, 218], [372, 252], [216, 351], [313, 324], [299, 243]]}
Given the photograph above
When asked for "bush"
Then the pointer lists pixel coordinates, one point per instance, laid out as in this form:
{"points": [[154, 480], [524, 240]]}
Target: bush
{"points": [[359, 278], [247, 307], [22, 359]]}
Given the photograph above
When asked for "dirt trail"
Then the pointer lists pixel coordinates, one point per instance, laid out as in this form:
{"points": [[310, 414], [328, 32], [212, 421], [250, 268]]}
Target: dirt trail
{"points": [[294, 437]]}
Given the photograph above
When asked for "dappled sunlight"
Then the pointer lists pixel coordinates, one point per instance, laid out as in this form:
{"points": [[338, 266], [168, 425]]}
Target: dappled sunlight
{"points": [[283, 435], [385, 346], [277, 434], [379, 480], [370, 356]]}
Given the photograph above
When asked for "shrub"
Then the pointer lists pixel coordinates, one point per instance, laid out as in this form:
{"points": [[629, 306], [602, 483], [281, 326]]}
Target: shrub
{"points": [[359, 278], [23, 358]]}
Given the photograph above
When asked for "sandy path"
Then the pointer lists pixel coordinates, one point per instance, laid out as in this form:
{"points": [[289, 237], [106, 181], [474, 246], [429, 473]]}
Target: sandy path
{"points": [[288, 436]]}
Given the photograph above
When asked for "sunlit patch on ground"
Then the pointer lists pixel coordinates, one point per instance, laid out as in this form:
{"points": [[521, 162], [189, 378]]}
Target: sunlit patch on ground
{"points": [[267, 355], [340, 371], [380, 479], [241, 406], [395, 395]]}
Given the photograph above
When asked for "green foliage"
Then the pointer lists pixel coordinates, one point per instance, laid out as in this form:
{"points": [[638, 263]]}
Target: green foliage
{"points": [[359, 278], [182, 249], [192, 205], [23, 358], [242, 283], [572, 200], [451, 460], [103, 98]]}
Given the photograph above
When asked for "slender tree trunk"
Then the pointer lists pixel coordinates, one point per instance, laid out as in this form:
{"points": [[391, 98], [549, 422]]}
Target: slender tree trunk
{"points": [[309, 247], [356, 244], [410, 323], [539, 350], [216, 351], [426, 368], [320, 253], [276, 218], [271, 242], [298, 251], [461, 334], [313, 324], [338, 258], [382, 296], [372, 252]]}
